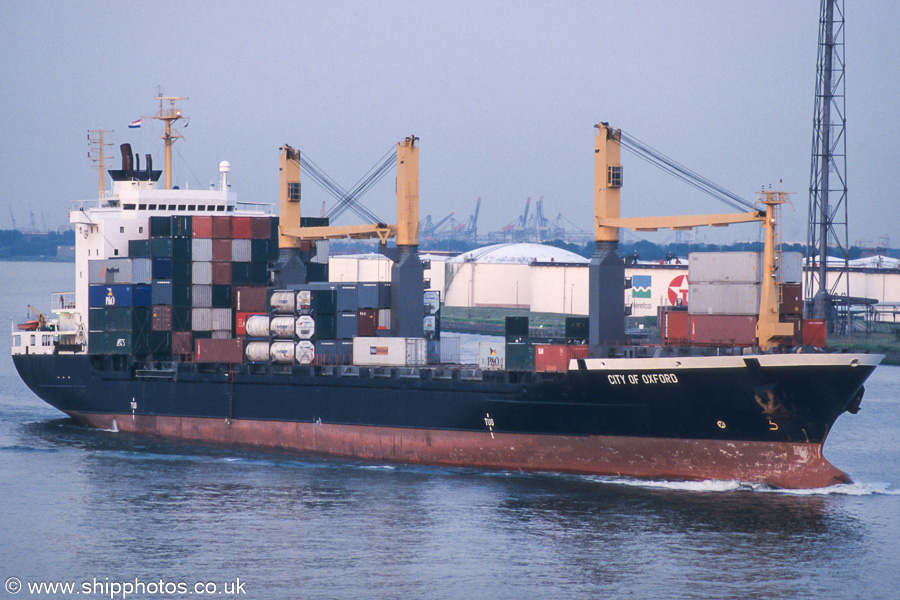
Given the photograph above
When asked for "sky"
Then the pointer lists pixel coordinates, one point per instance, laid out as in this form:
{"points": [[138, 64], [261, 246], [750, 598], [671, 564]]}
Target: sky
{"points": [[503, 96]]}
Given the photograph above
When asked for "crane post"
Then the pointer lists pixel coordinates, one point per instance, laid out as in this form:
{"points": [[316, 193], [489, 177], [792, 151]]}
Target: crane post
{"points": [[288, 196]]}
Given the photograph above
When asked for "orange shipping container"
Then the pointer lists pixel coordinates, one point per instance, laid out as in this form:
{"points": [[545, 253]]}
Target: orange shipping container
{"points": [[551, 358], [249, 298], [182, 342], [723, 330], [221, 227], [201, 227], [675, 327], [219, 351], [221, 273], [240, 228], [260, 228], [813, 332]]}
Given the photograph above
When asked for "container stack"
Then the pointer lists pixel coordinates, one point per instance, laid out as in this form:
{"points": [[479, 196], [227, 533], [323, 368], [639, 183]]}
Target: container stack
{"points": [[199, 277], [723, 299], [523, 353]]}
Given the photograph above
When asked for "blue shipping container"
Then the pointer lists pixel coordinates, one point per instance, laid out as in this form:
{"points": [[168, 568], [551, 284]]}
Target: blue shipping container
{"points": [[162, 267], [109, 295]]}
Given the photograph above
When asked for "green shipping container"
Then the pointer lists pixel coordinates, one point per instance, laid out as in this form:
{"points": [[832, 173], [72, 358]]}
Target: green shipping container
{"points": [[519, 357], [181, 249], [139, 248], [161, 246], [326, 326], [181, 273], [181, 295]]}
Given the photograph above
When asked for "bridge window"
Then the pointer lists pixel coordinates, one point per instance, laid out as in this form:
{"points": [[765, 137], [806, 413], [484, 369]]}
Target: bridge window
{"points": [[614, 176], [294, 191]]}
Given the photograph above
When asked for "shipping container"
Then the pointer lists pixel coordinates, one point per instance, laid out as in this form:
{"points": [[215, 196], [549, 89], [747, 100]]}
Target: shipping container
{"points": [[221, 273], [577, 328], [259, 250], [221, 250], [221, 296], [791, 299], [181, 226], [432, 301], [283, 327], [261, 228], [367, 322], [318, 272], [201, 273], [181, 273], [201, 249], [283, 301], [491, 356], [791, 268], [516, 327], [98, 319], [221, 228], [240, 228], [162, 267], [259, 273], [519, 356], [201, 319], [325, 302], [161, 247], [305, 327], [161, 315], [305, 302], [368, 295], [257, 351], [257, 326], [160, 343], [142, 270], [110, 271], [721, 267], [347, 297], [201, 227], [305, 352], [182, 249], [142, 295], [241, 273], [347, 325], [182, 343], [723, 298], [326, 326], [674, 327], [813, 332], [116, 342], [109, 295], [249, 298], [240, 321], [282, 352], [181, 295], [240, 250], [139, 248], [160, 227], [219, 351], [334, 352], [723, 330], [390, 352], [201, 296], [181, 318], [221, 334], [384, 319], [222, 319], [551, 358]]}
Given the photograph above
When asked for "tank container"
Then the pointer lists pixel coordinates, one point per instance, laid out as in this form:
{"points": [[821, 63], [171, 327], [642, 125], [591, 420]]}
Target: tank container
{"points": [[305, 327], [305, 352], [283, 301], [257, 351], [257, 326], [282, 352], [282, 327]]}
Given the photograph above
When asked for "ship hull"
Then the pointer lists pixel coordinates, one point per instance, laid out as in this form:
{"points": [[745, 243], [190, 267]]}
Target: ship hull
{"points": [[760, 419]]}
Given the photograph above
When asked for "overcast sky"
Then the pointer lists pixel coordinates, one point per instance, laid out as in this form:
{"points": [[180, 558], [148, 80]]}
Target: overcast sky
{"points": [[503, 96]]}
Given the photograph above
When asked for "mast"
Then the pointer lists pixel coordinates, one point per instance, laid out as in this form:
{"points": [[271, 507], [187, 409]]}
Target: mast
{"points": [[169, 114], [97, 153]]}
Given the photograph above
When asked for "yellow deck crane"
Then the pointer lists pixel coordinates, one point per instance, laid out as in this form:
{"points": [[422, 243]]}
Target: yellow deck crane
{"points": [[607, 221]]}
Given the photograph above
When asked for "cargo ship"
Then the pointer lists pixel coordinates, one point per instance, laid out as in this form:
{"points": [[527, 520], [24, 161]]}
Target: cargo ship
{"points": [[198, 317]]}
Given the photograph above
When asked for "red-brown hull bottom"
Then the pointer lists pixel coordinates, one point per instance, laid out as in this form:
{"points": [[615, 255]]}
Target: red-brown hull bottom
{"points": [[785, 465]]}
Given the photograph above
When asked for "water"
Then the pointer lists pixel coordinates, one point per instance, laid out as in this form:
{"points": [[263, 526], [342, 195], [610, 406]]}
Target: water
{"points": [[99, 508]]}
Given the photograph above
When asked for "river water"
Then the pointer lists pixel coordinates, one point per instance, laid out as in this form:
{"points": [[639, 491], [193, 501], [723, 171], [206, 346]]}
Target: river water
{"points": [[120, 516]]}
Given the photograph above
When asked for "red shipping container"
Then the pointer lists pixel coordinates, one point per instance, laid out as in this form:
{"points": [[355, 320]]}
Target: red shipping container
{"points": [[250, 298], [182, 342], [201, 226], [813, 332], [161, 317], [240, 228], [219, 351], [221, 272], [221, 227], [551, 358], [367, 322], [791, 299], [240, 321], [675, 327], [221, 250], [260, 228], [577, 351], [723, 330]]}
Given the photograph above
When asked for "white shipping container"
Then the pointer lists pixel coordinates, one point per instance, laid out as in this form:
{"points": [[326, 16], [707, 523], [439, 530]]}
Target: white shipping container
{"points": [[282, 352], [221, 334], [305, 352], [201, 273], [201, 250], [240, 250], [258, 326], [282, 327], [283, 301], [257, 351], [305, 328], [390, 352], [221, 319], [110, 271], [304, 302], [141, 270], [791, 268], [492, 357], [723, 298], [201, 319], [719, 267], [384, 318], [201, 296], [432, 302]]}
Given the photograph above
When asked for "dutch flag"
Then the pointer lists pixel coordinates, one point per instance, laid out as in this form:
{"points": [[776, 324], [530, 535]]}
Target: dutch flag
{"points": [[134, 124]]}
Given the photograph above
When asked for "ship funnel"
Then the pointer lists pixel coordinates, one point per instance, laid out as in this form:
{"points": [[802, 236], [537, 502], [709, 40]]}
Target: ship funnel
{"points": [[149, 166], [127, 157], [137, 162]]}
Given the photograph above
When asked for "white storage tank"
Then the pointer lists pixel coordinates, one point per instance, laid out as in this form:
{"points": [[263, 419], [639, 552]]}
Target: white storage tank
{"points": [[283, 301], [257, 351], [282, 327], [282, 352], [258, 326]]}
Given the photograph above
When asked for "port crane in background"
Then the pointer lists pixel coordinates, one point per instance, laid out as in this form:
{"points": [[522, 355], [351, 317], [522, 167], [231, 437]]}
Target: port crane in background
{"points": [[428, 230], [466, 230]]}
